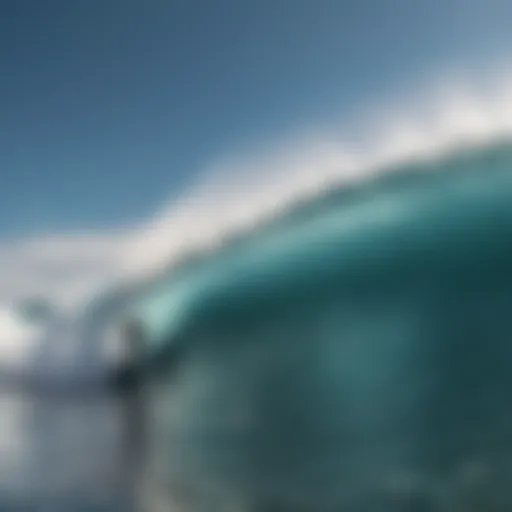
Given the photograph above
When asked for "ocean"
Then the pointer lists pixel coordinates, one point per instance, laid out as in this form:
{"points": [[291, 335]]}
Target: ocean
{"points": [[351, 355]]}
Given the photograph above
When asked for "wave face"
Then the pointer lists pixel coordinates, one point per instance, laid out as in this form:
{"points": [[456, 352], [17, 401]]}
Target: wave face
{"points": [[385, 387]]}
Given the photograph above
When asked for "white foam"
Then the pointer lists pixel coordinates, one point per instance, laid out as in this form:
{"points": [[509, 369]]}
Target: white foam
{"points": [[17, 339]]}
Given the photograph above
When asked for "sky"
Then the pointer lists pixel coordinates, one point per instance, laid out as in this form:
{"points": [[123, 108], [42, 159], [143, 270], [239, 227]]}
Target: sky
{"points": [[114, 111], [110, 107]]}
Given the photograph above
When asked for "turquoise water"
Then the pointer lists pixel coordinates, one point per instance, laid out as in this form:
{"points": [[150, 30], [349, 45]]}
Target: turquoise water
{"points": [[411, 216], [353, 355]]}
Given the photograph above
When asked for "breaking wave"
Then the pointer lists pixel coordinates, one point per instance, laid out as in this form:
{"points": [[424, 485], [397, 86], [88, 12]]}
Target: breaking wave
{"points": [[239, 198]]}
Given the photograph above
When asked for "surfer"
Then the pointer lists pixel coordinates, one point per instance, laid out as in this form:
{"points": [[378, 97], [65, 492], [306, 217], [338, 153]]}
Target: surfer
{"points": [[128, 384], [126, 375]]}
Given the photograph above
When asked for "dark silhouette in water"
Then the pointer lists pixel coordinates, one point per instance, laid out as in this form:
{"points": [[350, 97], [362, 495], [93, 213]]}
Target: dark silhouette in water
{"points": [[128, 375], [127, 382]]}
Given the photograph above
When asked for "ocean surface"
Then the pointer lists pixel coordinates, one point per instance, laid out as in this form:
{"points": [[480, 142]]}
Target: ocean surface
{"points": [[387, 393], [62, 454]]}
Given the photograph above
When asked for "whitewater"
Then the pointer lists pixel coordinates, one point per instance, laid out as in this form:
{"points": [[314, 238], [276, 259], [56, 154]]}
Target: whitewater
{"points": [[237, 198]]}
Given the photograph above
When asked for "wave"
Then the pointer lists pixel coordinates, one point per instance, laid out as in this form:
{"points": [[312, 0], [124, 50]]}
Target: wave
{"points": [[244, 198], [405, 196], [81, 338]]}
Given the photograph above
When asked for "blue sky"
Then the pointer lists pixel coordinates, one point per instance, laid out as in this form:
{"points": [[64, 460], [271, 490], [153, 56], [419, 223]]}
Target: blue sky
{"points": [[109, 108]]}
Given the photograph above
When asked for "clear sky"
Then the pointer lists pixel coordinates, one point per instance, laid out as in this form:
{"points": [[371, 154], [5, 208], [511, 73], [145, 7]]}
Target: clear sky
{"points": [[108, 108]]}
